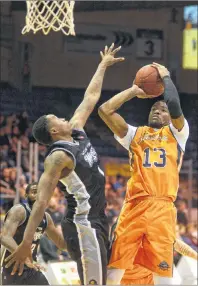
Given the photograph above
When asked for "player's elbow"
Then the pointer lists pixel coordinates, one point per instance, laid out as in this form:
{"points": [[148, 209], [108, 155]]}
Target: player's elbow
{"points": [[3, 238], [103, 110]]}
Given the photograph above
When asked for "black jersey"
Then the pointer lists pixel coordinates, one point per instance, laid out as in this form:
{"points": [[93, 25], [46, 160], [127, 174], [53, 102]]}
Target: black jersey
{"points": [[18, 237], [84, 186]]}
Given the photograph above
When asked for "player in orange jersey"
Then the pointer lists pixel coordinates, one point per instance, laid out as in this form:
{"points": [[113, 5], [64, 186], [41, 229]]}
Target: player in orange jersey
{"points": [[145, 233], [139, 275]]}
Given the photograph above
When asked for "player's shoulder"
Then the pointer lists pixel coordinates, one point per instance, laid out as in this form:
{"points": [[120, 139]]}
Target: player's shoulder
{"points": [[184, 131], [79, 134], [17, 208], [128, 138], [57, 158], [181, 136], [17, 211]]}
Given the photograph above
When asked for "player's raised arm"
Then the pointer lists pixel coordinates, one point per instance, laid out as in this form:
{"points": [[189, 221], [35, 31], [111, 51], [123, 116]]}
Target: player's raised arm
{"points": [[93, 91], [54, 164], [171, 97], [54, 235], [107, 111]]}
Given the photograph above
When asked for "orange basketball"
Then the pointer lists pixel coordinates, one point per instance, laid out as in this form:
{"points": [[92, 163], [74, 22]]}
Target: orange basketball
{"points": [[148, 79]]}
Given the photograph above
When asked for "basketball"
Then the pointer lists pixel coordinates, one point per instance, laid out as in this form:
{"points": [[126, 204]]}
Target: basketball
{"points": [[148, 79]]}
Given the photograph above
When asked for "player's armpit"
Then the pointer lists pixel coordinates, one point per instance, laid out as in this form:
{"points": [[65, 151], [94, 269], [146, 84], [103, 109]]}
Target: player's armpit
{"points": [[181, 135], [178, 123]]}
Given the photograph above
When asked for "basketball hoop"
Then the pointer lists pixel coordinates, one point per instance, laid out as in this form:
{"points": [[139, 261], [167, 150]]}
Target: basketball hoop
{"points": [[49, 15]]}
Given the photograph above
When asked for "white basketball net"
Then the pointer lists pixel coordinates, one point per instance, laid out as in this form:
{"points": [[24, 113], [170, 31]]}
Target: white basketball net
{"points": [[49, 15]]}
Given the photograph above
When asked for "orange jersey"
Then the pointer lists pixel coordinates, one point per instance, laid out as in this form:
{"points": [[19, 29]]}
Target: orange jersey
{"points": [[155, 160]]}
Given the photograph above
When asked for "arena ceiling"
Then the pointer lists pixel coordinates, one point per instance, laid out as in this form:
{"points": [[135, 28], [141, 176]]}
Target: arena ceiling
{"points": [[116, 5]]}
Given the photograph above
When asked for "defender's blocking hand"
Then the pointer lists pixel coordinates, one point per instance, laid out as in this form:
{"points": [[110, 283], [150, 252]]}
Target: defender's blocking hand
{"points": [[108, 56]]}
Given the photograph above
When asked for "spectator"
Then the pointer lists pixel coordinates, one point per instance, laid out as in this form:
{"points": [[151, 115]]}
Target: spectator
{"points": [[23, 122], [182, 212], [48, 250], [191, 233], [2, 120], [13, 179], [53, 210], [119, 182]]}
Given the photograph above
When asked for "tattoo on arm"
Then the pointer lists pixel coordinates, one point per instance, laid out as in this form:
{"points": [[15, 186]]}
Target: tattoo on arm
{"points": [[54, 164], [14, 218]]}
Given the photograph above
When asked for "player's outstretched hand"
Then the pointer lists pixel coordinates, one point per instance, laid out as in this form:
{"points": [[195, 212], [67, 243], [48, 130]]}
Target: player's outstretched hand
{"points": [[108, 56], [161, 69], [139, 92], [22, 255]]}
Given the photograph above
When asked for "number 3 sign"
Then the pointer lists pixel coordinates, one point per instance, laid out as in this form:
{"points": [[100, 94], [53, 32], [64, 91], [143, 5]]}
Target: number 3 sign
{"points": [[149, 43]]}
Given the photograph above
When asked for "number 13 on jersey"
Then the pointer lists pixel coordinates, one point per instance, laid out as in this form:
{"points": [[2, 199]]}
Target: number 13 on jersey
{"points": [[160, 162]]}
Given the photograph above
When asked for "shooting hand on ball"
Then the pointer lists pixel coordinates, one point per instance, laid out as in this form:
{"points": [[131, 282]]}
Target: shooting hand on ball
{"points": [[108, 56], [139, 92], [162, 70]]}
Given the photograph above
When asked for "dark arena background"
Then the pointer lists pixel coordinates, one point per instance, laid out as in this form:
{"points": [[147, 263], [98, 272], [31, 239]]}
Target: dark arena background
{"points": [[48, 74]]}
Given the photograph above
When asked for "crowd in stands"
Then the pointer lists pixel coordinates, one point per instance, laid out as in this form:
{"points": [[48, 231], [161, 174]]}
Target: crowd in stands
{"points": [[17, 127]]}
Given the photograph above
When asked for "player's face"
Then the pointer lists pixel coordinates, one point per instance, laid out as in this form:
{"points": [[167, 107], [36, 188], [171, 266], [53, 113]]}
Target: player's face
{"points": [[59, 125], [32, 194], [159, 115]]}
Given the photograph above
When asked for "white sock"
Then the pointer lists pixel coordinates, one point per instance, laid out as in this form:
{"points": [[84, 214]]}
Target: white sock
{"points": [[114, 276]]}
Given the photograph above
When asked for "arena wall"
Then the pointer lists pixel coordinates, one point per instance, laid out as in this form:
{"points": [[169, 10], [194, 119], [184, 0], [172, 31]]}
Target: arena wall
{"points": [[71, 62]]}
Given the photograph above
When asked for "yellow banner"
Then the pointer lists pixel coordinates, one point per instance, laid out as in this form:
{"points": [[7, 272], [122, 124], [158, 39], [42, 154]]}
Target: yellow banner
{"points": [[113, 169]]}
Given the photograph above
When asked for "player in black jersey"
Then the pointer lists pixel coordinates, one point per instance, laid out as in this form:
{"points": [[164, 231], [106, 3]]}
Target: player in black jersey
{"points": [[12, 234], [72, 160]]}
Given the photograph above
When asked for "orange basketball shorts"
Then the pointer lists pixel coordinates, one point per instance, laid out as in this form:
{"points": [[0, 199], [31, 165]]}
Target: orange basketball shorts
{"points": [[138, 275], [146, 226]]}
